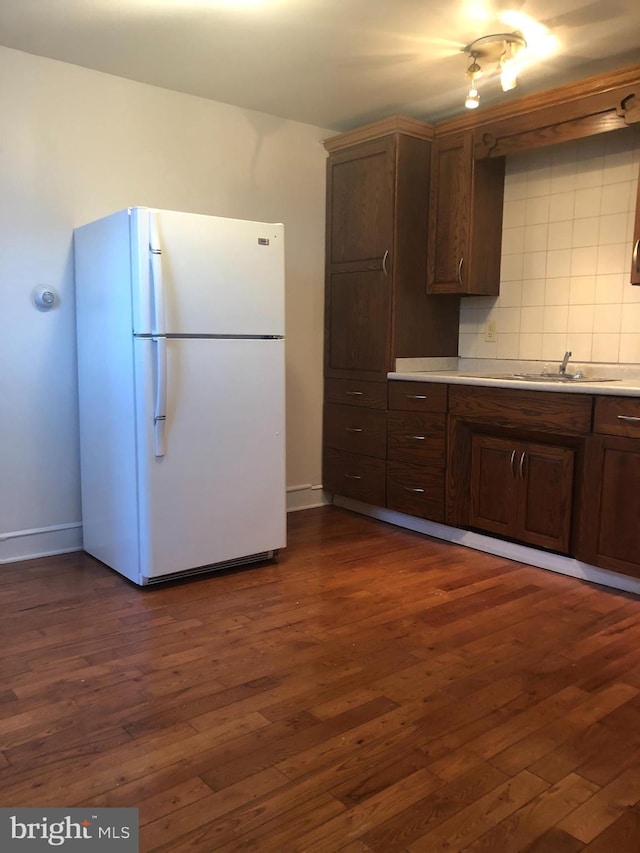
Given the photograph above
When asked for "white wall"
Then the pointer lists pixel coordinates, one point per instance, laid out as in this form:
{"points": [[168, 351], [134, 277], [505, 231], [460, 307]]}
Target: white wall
{"points": [[566, 257], [75, 145]]}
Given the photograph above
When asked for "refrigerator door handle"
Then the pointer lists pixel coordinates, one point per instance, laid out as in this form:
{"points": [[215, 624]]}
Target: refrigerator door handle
{"points": [[155, 251], [160, 404]]}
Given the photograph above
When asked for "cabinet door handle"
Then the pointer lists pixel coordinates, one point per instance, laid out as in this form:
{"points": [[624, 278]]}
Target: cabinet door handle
{"points": [[353, 477], [416, 490], [629, 419], [354, 429], [511, 461], [384, 262], [460, 263], [354, 393], [417, 437], [416, 396], [522, 455], [636, 256]]}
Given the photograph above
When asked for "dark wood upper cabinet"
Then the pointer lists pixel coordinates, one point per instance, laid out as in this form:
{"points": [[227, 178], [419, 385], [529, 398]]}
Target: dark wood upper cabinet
{"points": [[376, 305], [635, 253], [465, 218]]}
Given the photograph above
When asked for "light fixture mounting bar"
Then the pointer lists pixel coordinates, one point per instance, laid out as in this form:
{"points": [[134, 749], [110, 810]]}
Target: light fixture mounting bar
{"points": [[490, 48]]}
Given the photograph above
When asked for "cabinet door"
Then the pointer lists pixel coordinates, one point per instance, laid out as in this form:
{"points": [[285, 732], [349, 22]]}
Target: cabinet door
{"points": [[360, 183], [493, 484], [522, 490], [449, 212], [613, 531], [465, 218], [358, 325], [545, 488], [635, 259]]}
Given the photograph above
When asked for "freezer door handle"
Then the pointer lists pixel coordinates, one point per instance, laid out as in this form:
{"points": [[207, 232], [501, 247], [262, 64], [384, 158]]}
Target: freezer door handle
{"points": [[157, 282], [160, 403]]}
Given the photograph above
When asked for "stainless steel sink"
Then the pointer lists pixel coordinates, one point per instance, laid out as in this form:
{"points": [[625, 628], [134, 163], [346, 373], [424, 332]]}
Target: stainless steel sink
{"points": [[562, 377], [566, 378]]}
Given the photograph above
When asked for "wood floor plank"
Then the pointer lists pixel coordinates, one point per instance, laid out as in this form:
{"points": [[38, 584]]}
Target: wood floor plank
{"points": [[557, 841], [378, 808], [532, 820], [534, 746], [415, 821], [622, 834], [604, 807], [479, 817]]}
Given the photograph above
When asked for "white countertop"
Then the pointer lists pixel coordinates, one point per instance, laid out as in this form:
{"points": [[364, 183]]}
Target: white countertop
{"points": [[623, 379]]}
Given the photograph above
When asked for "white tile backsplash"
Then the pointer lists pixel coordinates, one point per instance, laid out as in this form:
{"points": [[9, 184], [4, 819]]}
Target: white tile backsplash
{"points": [[568, 227]]}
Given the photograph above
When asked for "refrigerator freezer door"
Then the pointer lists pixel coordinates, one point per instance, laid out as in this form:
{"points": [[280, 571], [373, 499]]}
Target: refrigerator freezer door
{"points": [[217, 276], [218, 493]]}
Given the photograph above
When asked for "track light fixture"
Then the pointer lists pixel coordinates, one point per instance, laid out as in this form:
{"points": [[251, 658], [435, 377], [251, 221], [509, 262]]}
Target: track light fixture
{"points": [[501, 49]]}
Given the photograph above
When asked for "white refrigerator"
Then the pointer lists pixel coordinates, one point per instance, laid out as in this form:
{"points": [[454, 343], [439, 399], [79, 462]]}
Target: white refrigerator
{"points": [[180, 323]]}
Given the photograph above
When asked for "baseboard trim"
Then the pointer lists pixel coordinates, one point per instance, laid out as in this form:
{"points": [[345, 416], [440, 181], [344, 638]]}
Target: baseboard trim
{"points": [[306, 496], [36, 542], [18, 545], [498, 547]]}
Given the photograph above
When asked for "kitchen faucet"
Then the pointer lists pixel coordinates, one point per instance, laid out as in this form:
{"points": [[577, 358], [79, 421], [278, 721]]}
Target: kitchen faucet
{"points": [[563, 367]]}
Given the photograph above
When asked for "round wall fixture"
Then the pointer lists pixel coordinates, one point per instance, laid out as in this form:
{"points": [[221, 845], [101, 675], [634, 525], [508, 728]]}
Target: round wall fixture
{"points": [[45, 298]]}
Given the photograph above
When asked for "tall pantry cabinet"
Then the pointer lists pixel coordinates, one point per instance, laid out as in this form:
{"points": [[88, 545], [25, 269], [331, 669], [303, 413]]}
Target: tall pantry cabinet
{"points": [[376, 305]]}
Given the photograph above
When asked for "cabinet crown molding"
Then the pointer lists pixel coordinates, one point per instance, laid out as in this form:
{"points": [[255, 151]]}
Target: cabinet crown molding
{"points": [[393, 124]]}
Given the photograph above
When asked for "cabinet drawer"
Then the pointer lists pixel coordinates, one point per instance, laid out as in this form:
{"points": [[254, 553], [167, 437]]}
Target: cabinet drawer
{"points": [[416, 438], [416, 490], [617, 416], [355, 429], [418, 396], [356, 393], [359, 477], [546, 411]]}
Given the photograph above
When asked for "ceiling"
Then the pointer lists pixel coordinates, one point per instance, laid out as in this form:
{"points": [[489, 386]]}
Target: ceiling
{"points": [[336, 64]]}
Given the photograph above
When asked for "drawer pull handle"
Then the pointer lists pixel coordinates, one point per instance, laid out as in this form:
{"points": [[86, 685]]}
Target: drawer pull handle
{"points": [[385, 257], [353, 477], [636, 256], [416, 396], [354, 393], [410, 489], [522, 457], [628, 418], [511, 461], [353, 429], [417, 437]]}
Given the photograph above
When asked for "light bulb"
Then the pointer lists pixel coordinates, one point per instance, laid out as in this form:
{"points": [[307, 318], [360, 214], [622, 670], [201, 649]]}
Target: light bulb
{"points": [[473, 99], [508, 78]]}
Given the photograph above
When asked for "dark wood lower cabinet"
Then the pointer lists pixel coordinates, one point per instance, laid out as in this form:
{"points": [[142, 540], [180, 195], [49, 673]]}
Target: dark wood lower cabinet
{"points": [[355, 439], [522, 490], [417, 449], [524, 466], [611, 532]]}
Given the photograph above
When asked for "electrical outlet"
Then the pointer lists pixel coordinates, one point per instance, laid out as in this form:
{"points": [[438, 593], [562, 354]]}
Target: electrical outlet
{"points": [[490, 331]]}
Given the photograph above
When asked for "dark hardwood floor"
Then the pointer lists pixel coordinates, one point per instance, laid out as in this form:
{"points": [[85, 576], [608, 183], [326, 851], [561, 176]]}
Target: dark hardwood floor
{"points": [[373, 690]]}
